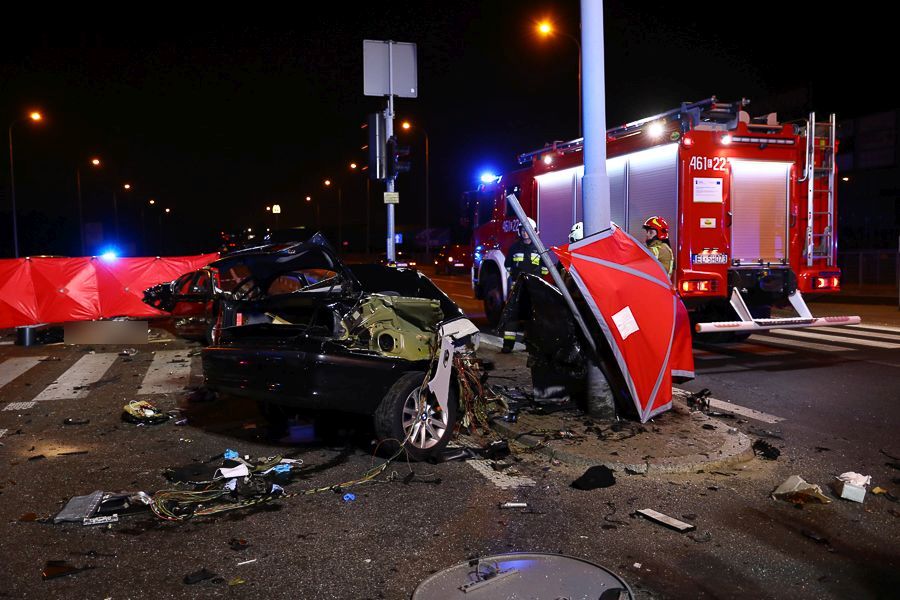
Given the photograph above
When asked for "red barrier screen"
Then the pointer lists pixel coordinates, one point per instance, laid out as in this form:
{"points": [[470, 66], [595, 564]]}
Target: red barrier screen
{"points": [[58, 290]]}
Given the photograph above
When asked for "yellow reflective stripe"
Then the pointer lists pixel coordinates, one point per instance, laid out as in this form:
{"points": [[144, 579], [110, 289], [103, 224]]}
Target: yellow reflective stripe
{"points": [[535, 259]]}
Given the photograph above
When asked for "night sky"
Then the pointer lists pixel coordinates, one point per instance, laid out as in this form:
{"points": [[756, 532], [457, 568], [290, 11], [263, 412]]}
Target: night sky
{"points": [[216, 122]]}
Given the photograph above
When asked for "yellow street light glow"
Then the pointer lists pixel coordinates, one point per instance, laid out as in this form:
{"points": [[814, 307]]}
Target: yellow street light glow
{"points": [[846, 179], [309, 199], [35, 116], [95, 162], [353, 165], [406, 125], [268, 208], [152, 201], [545, 27], [168, 210], [327, 182], [127, 186]]}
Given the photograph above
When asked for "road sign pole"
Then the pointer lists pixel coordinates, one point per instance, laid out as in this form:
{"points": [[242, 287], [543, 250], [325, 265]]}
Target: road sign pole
{"points": [[389, 182]]}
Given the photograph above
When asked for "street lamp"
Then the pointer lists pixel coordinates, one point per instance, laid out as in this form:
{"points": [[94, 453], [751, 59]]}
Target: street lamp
{"points": [[406, 125], [309, 201], [34, 116], [95, 162], [340, 195], [546, 29]]}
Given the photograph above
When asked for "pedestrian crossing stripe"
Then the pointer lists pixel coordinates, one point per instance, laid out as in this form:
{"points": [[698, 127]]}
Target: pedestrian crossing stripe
{"points": [[835, 338], [76, 381], [19, 405]]}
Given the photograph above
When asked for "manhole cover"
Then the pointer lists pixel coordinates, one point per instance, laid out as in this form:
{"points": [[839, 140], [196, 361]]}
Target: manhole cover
{"points": [[524, 576]]}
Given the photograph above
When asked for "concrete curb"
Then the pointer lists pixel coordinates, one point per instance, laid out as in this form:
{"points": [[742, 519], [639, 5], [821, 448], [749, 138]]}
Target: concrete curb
{"points": [[736, 448]]}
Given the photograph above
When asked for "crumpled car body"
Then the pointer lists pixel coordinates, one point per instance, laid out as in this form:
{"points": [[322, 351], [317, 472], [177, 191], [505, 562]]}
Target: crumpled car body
{"points": [[302, 330], [190, 300]]}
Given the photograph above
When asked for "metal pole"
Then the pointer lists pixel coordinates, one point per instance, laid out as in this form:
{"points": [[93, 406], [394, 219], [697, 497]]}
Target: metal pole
{"points": [[80, 210], [12, 195], [388, 133], [368, 213], [427, 202], [340, 218], [595, 185]]}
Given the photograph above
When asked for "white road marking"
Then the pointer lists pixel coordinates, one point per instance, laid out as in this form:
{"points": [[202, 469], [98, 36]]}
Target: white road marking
{"points": [[498, 478], [76, 381], [19, 405], [165, 376], [835, 338], [737, 409], [768, 339], [12, 368], [860, 332], [7, 343], [876, 327]]}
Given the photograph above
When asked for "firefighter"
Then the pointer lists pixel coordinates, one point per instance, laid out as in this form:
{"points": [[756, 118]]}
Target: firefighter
{"points": [[657, 231], [522, 258]]}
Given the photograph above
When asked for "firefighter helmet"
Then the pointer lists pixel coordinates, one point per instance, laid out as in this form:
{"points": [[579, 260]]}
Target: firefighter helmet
{"points": [[577, 232], [659, 225], [530, 222]]}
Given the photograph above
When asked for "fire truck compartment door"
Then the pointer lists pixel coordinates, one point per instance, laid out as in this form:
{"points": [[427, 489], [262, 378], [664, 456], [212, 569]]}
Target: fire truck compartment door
{"points": [[759, 205], [558, 204]]}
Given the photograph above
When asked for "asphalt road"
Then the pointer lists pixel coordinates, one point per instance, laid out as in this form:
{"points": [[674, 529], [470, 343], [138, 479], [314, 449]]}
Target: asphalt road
{"points": [[837, 410]]}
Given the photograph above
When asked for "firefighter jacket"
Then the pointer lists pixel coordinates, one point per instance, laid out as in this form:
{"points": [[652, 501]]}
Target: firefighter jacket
{"points": [[523, 258], [663, 253]]}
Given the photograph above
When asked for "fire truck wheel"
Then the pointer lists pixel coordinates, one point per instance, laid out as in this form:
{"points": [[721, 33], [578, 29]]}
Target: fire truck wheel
{"points": [[492, 293]]}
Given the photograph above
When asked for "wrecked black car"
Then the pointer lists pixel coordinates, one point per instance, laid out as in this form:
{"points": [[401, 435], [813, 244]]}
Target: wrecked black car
{"points": [[301, 330]]}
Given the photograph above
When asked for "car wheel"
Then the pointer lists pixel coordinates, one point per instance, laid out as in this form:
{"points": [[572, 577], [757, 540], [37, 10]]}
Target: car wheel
{"points": [[492, 293], [407, 413]]}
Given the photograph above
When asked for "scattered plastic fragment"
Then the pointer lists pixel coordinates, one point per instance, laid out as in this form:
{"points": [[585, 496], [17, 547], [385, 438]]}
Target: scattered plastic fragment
{"points": [[101, 520], [71, 421], [238, 544], [514, 505], [598, 476], [766, 450], [247, 562], [181, 422], [496, 450], [638, 565], [198, 576], [855, 479], [658, 517], [348, 497], [231, 454], [128, 352], [61, 568], [236, 581], [798, 491]]}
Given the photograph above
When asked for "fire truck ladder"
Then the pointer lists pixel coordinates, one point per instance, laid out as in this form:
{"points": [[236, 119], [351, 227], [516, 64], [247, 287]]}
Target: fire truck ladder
{"points": [[820, 165]]}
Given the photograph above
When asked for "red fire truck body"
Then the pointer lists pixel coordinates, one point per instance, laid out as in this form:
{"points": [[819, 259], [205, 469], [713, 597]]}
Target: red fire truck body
{"points": [[750, 204]]}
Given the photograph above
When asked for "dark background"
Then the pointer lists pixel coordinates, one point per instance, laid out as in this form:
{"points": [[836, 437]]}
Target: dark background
{"points": [[218, 121]]}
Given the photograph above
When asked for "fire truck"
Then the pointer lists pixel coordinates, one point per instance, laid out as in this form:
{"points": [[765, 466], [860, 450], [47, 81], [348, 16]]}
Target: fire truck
{"points": [[750, 204]]}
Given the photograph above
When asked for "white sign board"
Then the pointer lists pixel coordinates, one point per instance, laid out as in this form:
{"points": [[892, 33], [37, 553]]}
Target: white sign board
{"points": [[625, 322], [276, 209], [392, 197], [389, 69], [708, 189]]}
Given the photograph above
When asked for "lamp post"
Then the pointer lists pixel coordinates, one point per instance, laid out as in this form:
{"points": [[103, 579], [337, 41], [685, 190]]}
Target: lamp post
{"points": [[406, 127], [309, 201], [34, 116], [95, 162], [546, 29], [328, 183]]}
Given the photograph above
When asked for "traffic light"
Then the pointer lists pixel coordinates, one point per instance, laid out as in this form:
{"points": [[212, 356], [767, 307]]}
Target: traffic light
{"points": [[395, 155], [377, 155]]}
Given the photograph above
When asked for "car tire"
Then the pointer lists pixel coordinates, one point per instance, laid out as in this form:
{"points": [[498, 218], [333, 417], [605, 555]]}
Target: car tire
{"points": [[492, 295], [395, 419]]}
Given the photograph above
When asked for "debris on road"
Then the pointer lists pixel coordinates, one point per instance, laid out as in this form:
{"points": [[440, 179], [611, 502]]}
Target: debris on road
{"points": [[71, 421], [236, 581], [514, 505], [128, 352], [82, 509], [764, 449], [852, 486], [796, 490], [238, 544], [198, 576], [202, 394], [348, 497], [658, 517], [699, 400], [61, 568], [598, 476], [143, 413], [247, 562]]}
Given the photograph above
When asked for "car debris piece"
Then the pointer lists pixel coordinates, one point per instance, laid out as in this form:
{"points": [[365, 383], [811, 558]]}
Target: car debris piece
{"points": [[348, 497], [496, 450], [852, 486], [142, 412], [101, 520], [198, 576], [79, 508], [61, 568], [238, 544], [128, 352], [598, 476], [658, 517], [71, 421], [236, 581], [796, 490], [765, 450], [514, 505]]}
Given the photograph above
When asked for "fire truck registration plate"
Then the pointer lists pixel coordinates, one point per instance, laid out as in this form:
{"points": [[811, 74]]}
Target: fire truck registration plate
{"points": [[710, 259]]}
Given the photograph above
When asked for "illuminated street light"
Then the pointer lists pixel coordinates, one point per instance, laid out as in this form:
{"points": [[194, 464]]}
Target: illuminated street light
{"points": [[406, 125], [327, 183], [34, 116], [168, 210], [309, 198], [268, 209], [546, 29], [95, 162], [127, 186], [152, 202], [353, 165]]}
